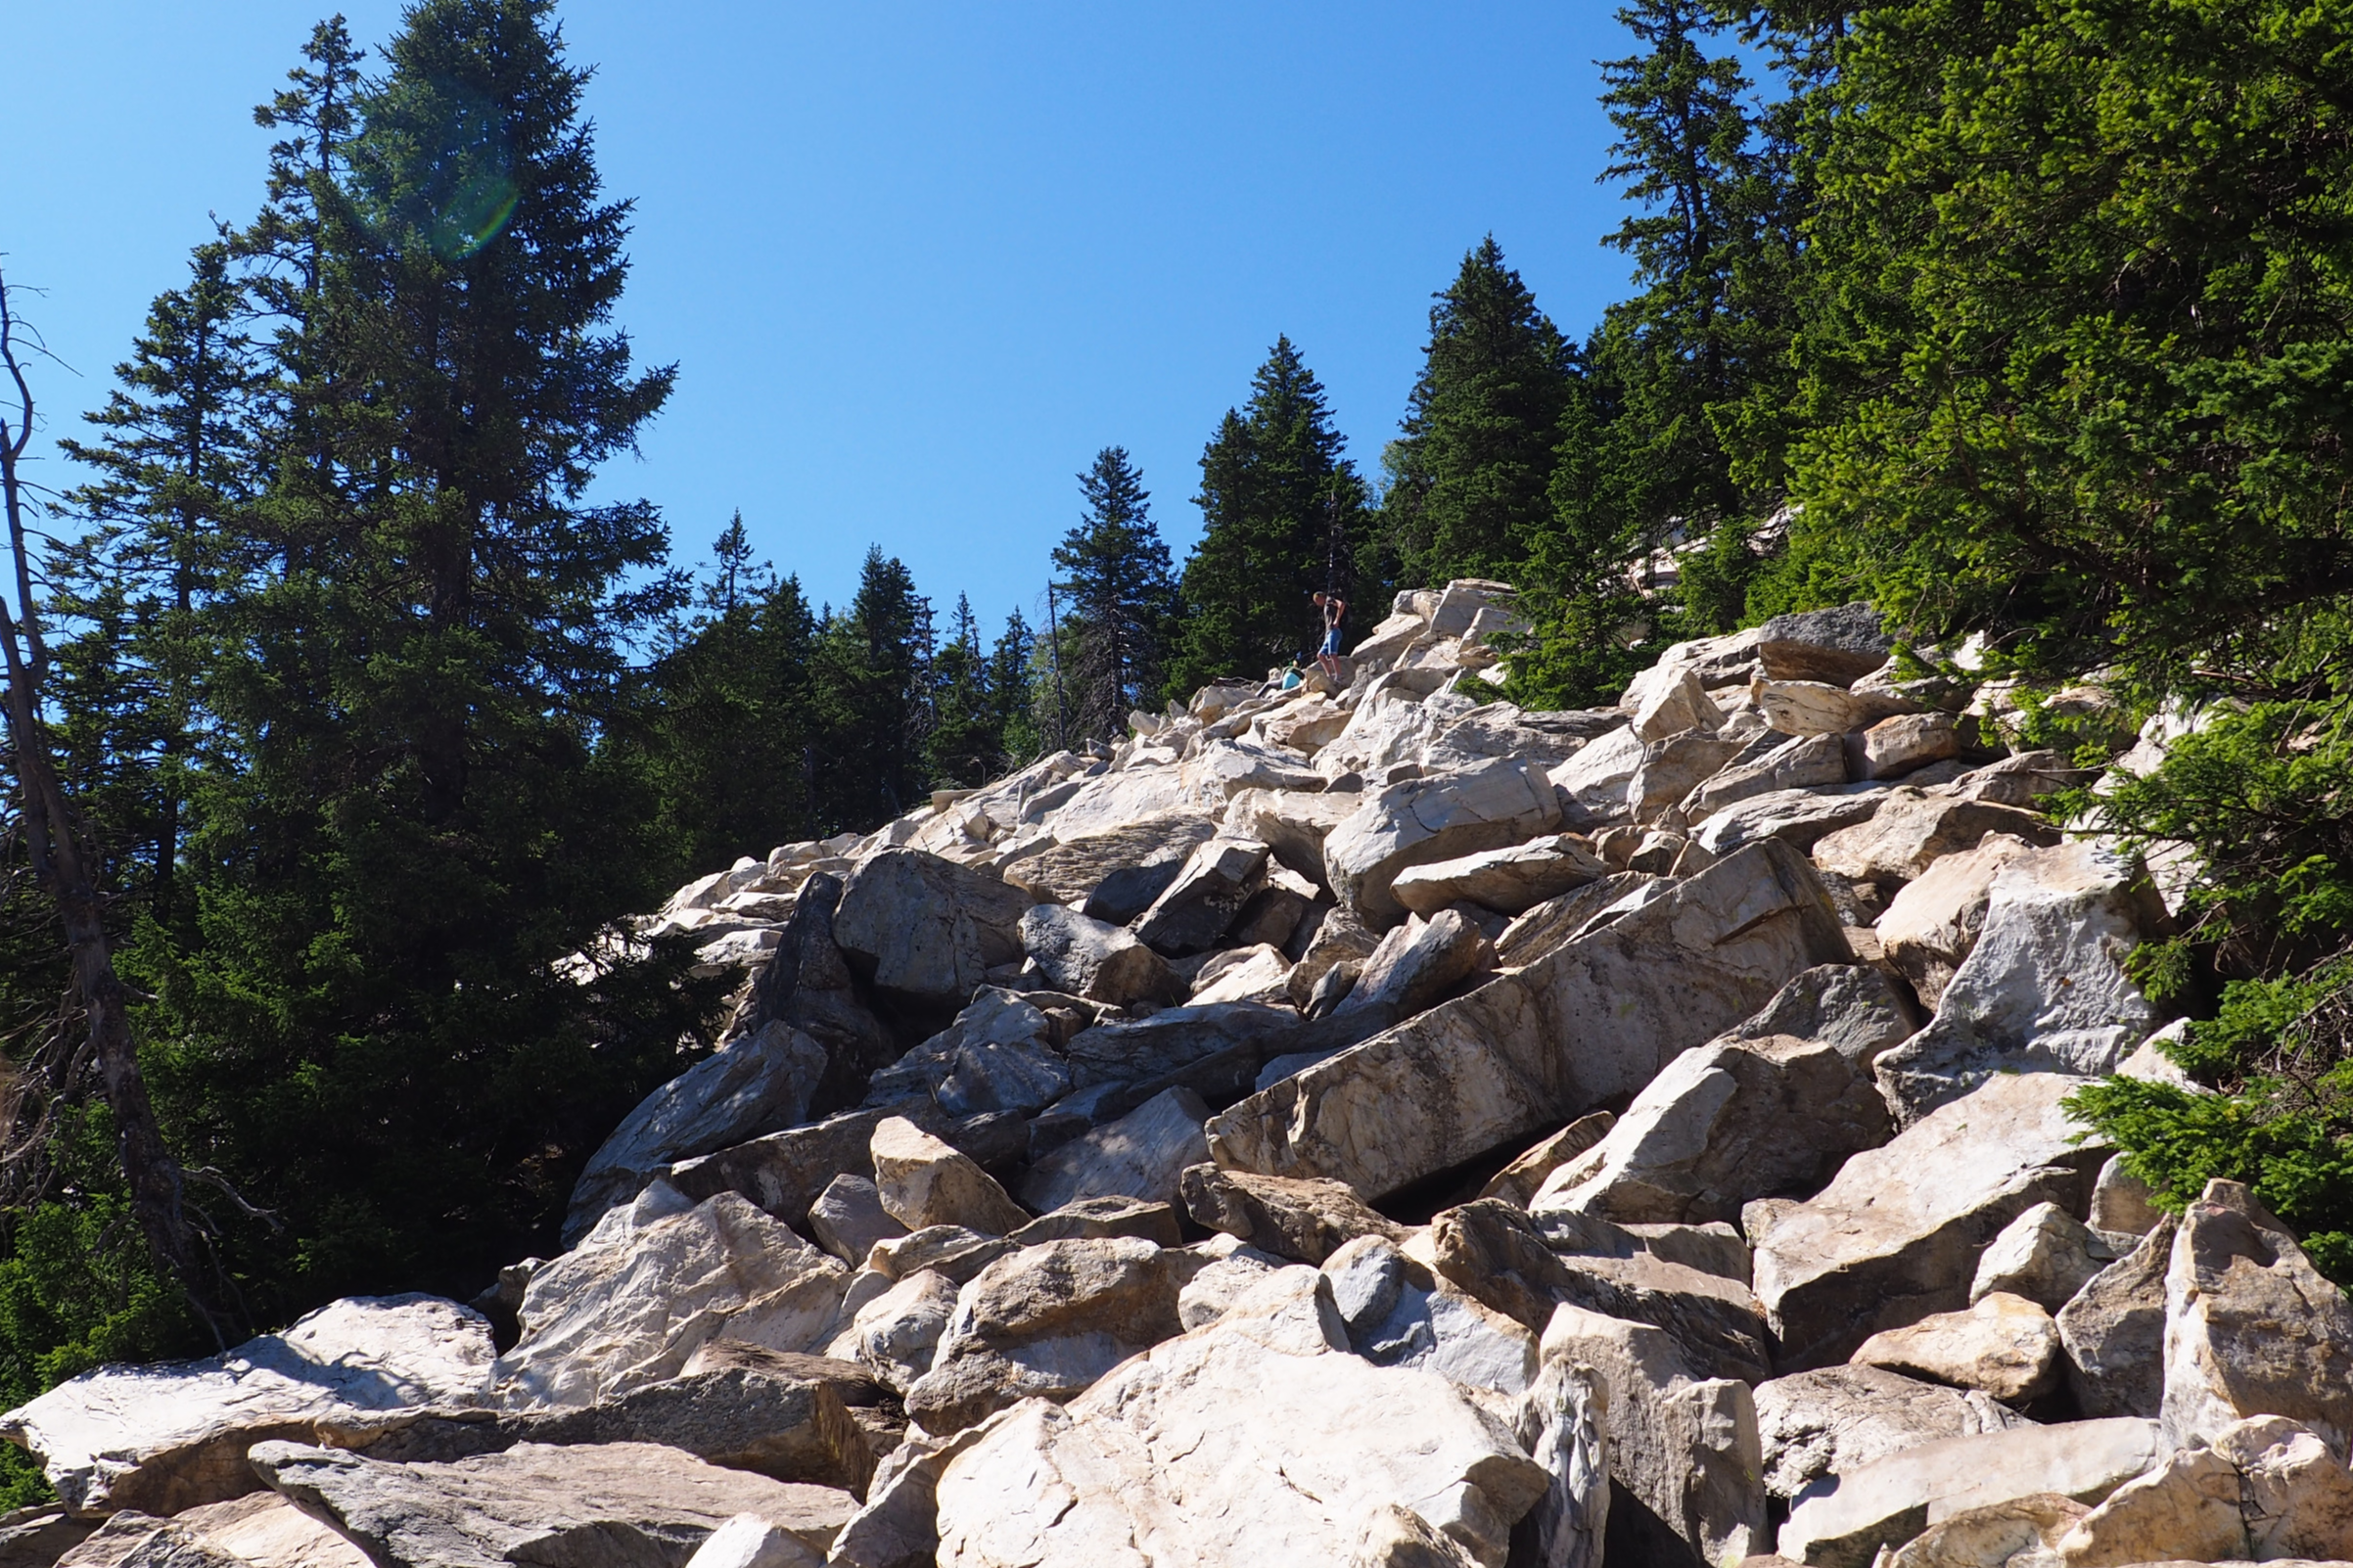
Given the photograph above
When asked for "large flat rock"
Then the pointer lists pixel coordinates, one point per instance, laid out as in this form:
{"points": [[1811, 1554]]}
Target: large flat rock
{"points": [[2044, 988], [1843, 1520], [1484, 806], [173, 1436], [1258, 1439], [754, 1085], [1896, 1235], [603, 1320], [594, 1505], [1594, 1018]]}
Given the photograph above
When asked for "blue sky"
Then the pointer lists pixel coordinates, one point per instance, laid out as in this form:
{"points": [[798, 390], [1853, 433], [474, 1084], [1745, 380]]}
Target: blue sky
{"points": [[916, 263]]}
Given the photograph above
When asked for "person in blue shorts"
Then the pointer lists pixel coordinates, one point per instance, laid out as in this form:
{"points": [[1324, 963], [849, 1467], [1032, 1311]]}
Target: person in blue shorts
{"points": [[1333, 609]]}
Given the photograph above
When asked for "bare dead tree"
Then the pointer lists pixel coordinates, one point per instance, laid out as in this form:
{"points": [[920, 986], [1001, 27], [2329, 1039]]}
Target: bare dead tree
{"points": [[62, 866]]}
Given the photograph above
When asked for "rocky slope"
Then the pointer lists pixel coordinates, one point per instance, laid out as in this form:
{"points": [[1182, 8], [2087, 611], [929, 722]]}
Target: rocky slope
{"points": [[1373, 1126]]}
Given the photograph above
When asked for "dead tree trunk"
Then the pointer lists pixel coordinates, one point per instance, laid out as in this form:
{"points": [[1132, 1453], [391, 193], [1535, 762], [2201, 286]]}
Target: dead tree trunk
{"points": [[63, 870]]}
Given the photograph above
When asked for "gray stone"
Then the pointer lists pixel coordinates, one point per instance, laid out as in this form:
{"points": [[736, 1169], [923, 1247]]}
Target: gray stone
{"points": [[565, 1507], [1675, 706], [1292, 825], [1557, 920], [849, 1218], [1092, 959], [995, 1054], [925, 931], [1259, 973], [1424, 820], [2251, 1329], [1222, 768], [1139, 1156], [2113, 1333], [1801, 762], [758, 1082], [1564, 1425], [1842, 1521], [1307, 1220], [1500, 729], [1093, 1219], [807, 983], [2018, 1529], [1913, 829], [1839, 1420], [1894, 746], [783, 1172], [952, 1251], [1683, 1444], [1594, 782], [2044, 988], [161, 1438], [895, 1335], [612, 1315], [1047, 1322], [1517, 1182], [1840, 645], [735, 1411], [2045, 1254], [1896, 1234], [1596, 1017], [1339, 937], [1673, 767], [1796, 818], [1932, 924], [1495, 1254], [1509, 880], [1719, 1127], [748, 1540], [1219, 878], [1258, 1439], [1202, 1047], [2122, 1204], [925, 1181], [1820, 708], [1416, 965], [2022, 779], [2264, 1489], [2003, 1345], [1856, 1010]]}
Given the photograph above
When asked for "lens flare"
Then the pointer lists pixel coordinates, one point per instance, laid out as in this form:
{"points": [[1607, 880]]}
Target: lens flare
{"points": [[474, 216]]}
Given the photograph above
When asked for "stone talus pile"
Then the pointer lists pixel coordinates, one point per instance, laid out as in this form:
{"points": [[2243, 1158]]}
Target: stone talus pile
{"points": [[1354, 1122]]}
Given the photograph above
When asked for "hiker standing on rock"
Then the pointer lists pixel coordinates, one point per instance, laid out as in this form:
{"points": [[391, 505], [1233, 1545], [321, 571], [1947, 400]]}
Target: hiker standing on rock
{"points": [[1333, 609]]}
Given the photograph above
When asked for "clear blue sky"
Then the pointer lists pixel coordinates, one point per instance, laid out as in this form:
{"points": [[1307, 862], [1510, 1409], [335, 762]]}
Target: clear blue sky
{"points": [[916, 263]]}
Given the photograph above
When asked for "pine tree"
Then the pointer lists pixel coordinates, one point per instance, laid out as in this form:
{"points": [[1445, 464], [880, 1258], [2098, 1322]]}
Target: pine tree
{"points": [[1012, 692], [1119, 599], [870, 673], [366, 1024], [1470, 474], [719, 726], [1708, 320], [177, 467], [966, 746], [1283, 517]]}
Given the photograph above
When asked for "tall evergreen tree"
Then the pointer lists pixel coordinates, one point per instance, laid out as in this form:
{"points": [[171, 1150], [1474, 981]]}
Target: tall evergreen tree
{"points": [[719, 727], [1119, 599], [1283, 516], [966, 746], [177, 466], [1013, 692], [1469, 478], [365, 1025], [871, 676]]}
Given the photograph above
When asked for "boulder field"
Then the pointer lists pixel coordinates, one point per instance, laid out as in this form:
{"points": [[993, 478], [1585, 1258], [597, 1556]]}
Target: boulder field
{"points": [[1353, 1123]]}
